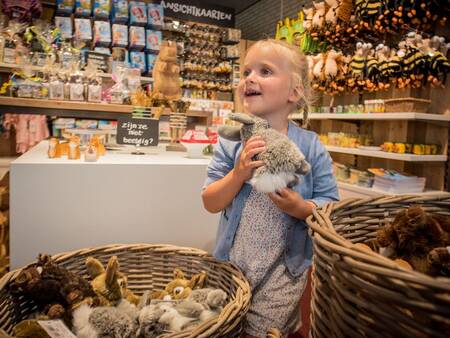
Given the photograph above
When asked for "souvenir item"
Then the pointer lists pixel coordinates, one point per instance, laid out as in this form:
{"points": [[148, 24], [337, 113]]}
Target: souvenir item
{"points": [[120, 11], [83, 30], [64, 24], [137, 37], [65, 6], [153, 41], [101, 9], [95, 90], [138, 13], [56, 88], [151, 58], [74, 148], [137, 60], [102, 33], [155, 15], [83, 8], [119, 35]]}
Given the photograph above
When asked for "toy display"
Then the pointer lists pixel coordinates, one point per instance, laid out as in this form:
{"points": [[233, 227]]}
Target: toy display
{"points": [[119, 35], [272, 176], [138, 13], [101, 9], [137, 38], [102, 33], [420, 238], [119, 12], [153, 40], [155, 14], [83, 8]]}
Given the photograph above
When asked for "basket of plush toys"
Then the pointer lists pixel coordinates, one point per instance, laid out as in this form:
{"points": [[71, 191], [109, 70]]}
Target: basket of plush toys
{"points": [[125, 291], [381, 267]]}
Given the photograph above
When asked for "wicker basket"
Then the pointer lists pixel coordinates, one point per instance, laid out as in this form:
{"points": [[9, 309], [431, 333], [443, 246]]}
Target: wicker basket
{"points": [[149, 267], [407, 104], [362, 294]]}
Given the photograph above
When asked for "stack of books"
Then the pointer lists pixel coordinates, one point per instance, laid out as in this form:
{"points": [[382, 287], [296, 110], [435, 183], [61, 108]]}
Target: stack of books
{"points": [[394, 182]]}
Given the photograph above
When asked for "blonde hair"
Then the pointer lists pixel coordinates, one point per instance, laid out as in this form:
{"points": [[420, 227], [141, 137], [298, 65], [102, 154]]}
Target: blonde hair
{"points": [[300, 73]]}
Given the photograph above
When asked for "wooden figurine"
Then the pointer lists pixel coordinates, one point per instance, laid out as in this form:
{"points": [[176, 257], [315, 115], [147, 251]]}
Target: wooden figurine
{"points": [[166, 72]]}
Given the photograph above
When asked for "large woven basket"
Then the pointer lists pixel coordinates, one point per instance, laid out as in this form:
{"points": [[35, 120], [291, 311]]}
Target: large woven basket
{"points": [[362, 294], [407, 104], [149, 267]]}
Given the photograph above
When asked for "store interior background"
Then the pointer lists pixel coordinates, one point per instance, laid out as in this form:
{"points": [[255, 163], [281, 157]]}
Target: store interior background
{"points": [[90, 207]]}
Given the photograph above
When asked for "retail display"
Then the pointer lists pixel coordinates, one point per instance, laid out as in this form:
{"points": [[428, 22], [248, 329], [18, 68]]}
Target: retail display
{"points": [[195, 141], [180, 287], [420, 238], [284, 162]]}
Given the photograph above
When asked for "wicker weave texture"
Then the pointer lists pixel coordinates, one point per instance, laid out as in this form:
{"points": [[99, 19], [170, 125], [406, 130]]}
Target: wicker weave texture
{"points": [[149, 267], [357, 293]]}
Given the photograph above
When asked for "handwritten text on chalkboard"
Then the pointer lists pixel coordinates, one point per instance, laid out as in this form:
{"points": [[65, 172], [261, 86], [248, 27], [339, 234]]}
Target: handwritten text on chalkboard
{"points": [[143, 132]]}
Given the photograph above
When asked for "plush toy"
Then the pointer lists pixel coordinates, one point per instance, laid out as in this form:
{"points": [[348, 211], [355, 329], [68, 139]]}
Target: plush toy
{"points": [[332, 16], [166, 72], [106, 321], [110, 285], [180, 287], [318, 20], [74, 148], [414, 236], [438, 64], [309, 14], [55, 290], [212, 301], [283, 160]]}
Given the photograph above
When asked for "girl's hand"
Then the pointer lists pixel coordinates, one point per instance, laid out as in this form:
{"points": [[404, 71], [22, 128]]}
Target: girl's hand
{"points": [[245, 166], [292, 203]]}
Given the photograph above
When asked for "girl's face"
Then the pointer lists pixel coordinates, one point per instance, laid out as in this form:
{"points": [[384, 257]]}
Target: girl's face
{"points": [[265, 87]]}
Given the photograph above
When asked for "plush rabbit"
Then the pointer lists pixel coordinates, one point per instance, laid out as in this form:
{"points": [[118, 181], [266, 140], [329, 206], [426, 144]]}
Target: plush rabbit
{"points": [[283, 160]]}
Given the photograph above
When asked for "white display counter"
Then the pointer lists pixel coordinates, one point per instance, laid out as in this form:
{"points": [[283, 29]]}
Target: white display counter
{"points": [[60, 205]]}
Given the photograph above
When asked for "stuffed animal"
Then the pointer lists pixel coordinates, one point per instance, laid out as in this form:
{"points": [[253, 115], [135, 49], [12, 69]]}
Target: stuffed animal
{"points": [[180, 287], [318, 20], [106, 321], [283, 160], [55, 290], [110, 285], [332, 16], [212, 301], [166, 72], [309, 14], [414, 236]]}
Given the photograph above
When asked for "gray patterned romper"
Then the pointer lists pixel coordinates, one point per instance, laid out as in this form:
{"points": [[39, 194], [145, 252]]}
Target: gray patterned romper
{"points": [[258, 249]]}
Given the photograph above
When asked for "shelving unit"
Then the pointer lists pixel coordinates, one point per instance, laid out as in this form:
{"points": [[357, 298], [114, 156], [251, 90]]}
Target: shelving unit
{"points": [[377, 116], [386, 155], [9, 67], [374, 192]]}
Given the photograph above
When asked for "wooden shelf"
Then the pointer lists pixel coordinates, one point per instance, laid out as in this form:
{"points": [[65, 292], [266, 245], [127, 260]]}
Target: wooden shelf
{"points": [[9, 67], [77, 109], [376, 192], [391, 156], [376, 116]]}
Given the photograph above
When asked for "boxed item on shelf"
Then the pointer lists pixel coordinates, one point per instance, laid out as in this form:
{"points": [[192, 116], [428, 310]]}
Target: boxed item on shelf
{"points": [[64, 24], [151, 58], [137, 60], [120, 12], [155, 16], [101, 9], [65, 6], [119, 35], [153, 40], [83, 8], [397, 183], [231, 35], [83, 30], [102, 33], [138, 13], [137, 37]]}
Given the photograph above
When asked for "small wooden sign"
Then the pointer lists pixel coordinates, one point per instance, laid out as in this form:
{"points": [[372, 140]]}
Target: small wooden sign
{"points": [[142, 132]]}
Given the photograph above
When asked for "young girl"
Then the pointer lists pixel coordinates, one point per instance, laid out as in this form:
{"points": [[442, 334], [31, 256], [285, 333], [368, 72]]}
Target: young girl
{"points": [[265, 234]]}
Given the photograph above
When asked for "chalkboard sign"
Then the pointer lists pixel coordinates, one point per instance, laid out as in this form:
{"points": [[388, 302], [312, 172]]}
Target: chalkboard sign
{"points": [[139, 132], [100, 60]]}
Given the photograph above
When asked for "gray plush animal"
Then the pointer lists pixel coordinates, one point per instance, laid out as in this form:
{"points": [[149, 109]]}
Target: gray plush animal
{"points": [[284, 162], [106, 321]]}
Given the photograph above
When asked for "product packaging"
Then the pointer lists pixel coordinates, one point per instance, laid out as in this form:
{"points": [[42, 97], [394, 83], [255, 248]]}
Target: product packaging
{"points": [[118, 92], [101, 9], [64, 24], [83, 30], [119, 58], [155, 15], [120, 12], [95, 90], [83, 8], [119, 35], [138, 13], [137, 60], [65, 6], [153, 40], [56, 88], [137, 38], [151, 58], [102, 33]]}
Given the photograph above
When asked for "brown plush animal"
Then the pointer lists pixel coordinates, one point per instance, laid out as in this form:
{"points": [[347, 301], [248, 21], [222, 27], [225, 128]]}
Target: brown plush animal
{"points": [[109, 284], [180, 287], [166, 72], [55, 290], [419, 238]]}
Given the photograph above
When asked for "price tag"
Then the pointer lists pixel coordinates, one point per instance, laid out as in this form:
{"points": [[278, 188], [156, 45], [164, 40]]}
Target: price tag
{"points": [[56, 329]]}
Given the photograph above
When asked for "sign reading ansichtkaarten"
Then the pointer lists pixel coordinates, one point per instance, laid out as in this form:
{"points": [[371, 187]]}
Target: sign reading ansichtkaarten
{"points": [[139, 132]]}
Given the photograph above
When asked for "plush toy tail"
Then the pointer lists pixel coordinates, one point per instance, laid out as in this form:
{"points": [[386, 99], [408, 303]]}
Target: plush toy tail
{"points": [[268, 182], [81, 325]]}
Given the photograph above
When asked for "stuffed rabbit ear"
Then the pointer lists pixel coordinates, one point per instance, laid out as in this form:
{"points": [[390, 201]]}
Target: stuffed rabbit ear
{"points": [[111, 270], [94, 267], [232, 133], [243, 118]]}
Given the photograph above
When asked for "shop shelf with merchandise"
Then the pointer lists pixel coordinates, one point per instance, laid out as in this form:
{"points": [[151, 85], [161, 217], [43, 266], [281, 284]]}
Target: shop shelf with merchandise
{"points": [[376, 116]]}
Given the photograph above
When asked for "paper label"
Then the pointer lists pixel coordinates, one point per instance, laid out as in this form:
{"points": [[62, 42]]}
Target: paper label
{"points": [[56, 329]]}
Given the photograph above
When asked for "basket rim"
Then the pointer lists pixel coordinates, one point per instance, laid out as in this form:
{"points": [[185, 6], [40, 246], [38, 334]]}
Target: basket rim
{"points": [[407, 99], [322, 227]]}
